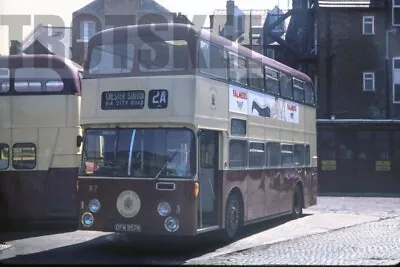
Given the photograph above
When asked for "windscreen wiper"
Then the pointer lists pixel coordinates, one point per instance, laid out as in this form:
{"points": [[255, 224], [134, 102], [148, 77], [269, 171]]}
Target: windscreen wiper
{"points": [[165, 165]]}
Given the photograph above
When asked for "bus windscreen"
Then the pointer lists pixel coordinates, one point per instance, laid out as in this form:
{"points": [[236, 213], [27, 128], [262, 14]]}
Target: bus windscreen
{"points": [[139, 153]]}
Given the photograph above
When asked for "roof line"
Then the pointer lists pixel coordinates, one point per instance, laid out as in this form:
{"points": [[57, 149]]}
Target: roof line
{"points": [[56, 27], [31, 33]]}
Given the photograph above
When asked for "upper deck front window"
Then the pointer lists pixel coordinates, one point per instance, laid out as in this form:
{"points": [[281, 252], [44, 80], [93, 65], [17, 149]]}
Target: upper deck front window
{"points": [[163, 56], [139, 153], [111, 59]]}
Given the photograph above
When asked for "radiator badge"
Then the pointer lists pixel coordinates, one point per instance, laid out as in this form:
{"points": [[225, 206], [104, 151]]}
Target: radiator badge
{"points": [[128, 204]]}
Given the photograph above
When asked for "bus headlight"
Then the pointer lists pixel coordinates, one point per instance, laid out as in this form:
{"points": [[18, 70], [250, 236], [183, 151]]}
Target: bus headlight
{"points": [[87, 219], [164, 208], [94, 205], [171, 224]]}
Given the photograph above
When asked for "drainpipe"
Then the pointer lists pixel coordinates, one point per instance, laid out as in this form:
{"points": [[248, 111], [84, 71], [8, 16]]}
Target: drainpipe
{"points": [[329, 67], [388, 69], [386, 73]]}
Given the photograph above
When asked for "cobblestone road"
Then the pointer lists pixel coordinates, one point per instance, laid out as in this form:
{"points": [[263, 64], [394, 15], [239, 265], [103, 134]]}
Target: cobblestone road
{"points": [[372, 206], [373, 243]]}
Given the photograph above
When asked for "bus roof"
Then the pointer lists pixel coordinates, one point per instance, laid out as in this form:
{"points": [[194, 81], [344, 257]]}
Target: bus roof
{"points": [[191, 31], [18, 61]]}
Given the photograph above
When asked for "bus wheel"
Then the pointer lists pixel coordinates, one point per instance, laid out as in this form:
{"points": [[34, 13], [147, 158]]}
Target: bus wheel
{"points": [[233, 217], [297, 209]]}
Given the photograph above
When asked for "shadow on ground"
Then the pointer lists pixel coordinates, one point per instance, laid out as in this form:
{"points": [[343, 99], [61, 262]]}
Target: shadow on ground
{"points": [[115, 248], [22, 231]]}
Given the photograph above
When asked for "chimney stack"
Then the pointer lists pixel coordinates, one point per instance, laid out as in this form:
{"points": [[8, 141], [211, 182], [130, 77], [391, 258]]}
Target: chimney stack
{"points": [[230, 13]]}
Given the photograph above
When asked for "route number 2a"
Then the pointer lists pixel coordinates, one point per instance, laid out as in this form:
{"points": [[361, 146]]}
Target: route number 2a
{"points": [[158, 99]]}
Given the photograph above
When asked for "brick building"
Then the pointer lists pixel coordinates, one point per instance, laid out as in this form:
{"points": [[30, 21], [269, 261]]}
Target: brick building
{"points": [[358, 95]]}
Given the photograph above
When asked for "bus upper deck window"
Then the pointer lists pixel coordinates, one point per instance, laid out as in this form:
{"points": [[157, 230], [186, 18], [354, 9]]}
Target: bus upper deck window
{"points": [[54, 86], [111, 58], [5, 86], [164, 56], [4, 73]]}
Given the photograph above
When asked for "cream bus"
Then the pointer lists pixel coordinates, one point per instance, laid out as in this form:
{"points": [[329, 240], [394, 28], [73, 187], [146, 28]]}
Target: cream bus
{"points": [[39, 129], [186, 132]]}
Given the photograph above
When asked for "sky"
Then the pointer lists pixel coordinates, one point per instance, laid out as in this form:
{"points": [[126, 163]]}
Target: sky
{"points": [[64, 10]]}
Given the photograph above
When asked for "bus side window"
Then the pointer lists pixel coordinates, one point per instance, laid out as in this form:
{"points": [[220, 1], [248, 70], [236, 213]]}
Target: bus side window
{"points": [[4, 80], [309, 94], [238, 127], [213, 60], [273, 154], [207, 155], [286, 86], [271, 81], [237, 153], [256, 154], [256, 75], [238, 69], [307, 155], [4, 156], [298, 90], [27, 80], [24, 156], [286, 155], [298, 155], [4, 86]]}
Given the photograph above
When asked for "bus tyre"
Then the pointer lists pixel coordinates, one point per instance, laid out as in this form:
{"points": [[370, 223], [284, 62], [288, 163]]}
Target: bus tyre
{"points": [[297, 209], [233, 217]]}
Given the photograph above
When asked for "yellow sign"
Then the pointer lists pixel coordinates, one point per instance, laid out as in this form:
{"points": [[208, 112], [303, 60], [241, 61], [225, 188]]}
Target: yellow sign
{"points": [[328, 165], [382, 165]]}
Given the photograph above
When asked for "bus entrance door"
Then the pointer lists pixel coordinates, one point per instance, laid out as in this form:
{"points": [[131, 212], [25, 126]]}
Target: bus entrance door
{"points": [[208, 170]]}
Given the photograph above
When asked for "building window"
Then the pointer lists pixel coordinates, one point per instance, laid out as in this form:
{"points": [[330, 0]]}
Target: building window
{"points": [[368, 25], [396, 80], [396, 13], [368, 81], [24, 156], [88, 29]]}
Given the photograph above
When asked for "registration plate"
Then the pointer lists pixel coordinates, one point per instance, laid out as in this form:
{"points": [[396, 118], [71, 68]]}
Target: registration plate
{"points": [[122, 227]]}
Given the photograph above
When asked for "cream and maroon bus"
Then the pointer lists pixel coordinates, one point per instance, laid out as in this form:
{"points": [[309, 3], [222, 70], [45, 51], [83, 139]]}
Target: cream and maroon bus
{"points": [[39, 133], [187, 132]]}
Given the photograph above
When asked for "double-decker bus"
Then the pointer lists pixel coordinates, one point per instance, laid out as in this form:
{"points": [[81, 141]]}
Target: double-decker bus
{"points": [[39, 132], [186, 132]]}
